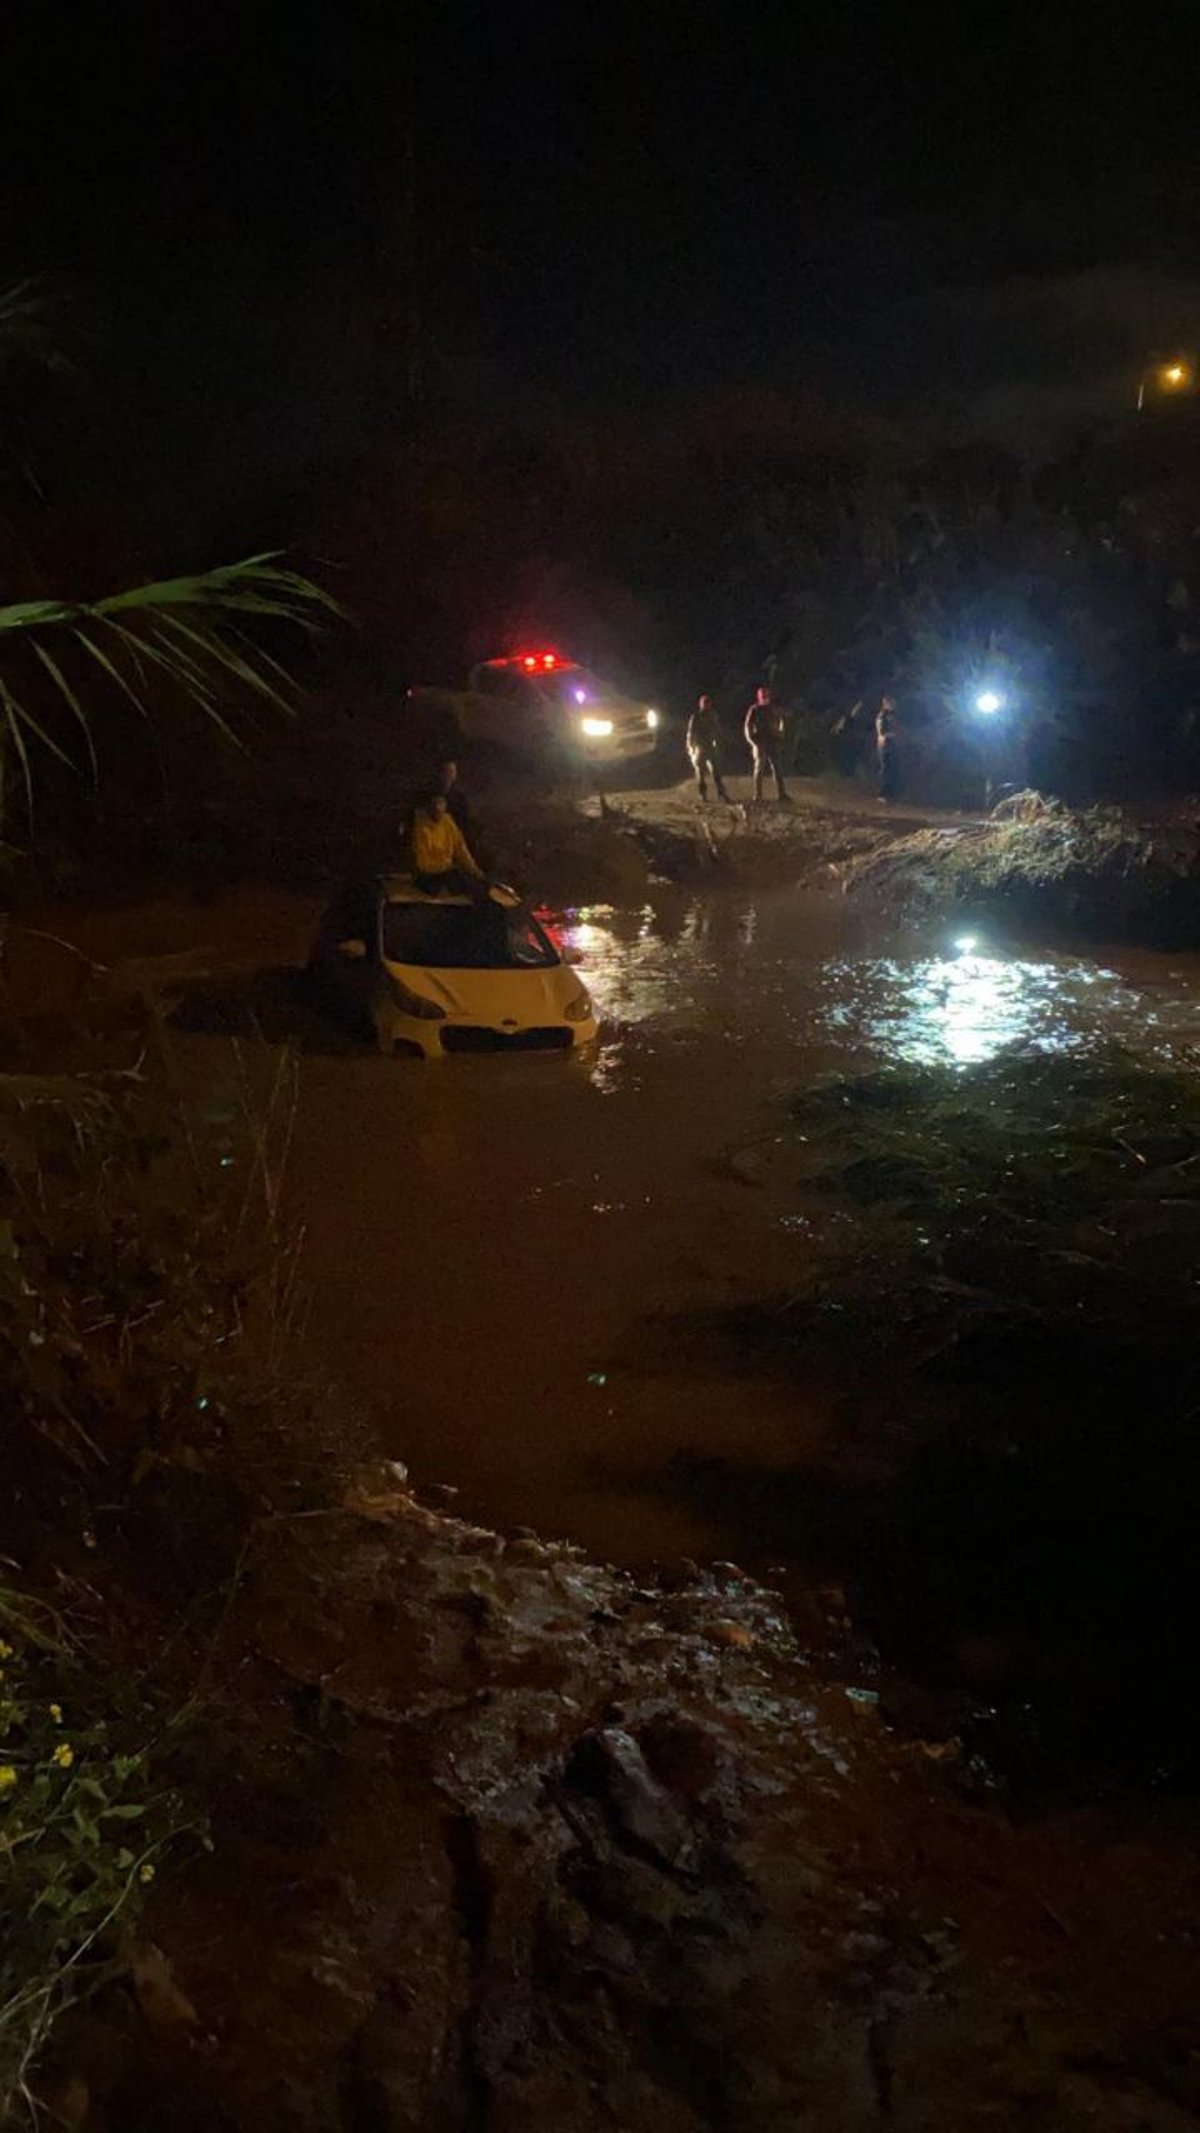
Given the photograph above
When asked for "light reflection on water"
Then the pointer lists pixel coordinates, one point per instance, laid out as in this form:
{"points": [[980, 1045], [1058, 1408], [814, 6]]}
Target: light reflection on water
{"points": [[775, 971], [964, 1009]]}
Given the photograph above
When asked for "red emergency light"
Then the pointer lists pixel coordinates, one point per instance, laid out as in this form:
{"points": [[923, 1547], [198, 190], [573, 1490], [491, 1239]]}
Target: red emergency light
{"points": [[533, 662]]}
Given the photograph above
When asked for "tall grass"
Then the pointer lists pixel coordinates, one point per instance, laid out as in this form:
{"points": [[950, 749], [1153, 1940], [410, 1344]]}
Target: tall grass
{"points": [[149, 1301]]}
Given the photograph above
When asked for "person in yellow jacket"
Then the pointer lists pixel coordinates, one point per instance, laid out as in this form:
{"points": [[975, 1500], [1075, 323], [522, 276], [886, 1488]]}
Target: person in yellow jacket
{"points": [[441, 857]]}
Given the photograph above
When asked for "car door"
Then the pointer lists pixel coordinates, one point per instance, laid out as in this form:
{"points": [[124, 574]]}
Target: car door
{"points": [[504, 709]]}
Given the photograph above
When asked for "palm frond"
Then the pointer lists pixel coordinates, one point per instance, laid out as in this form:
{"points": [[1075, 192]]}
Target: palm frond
{"points": [[179, 633], [31, 325]]}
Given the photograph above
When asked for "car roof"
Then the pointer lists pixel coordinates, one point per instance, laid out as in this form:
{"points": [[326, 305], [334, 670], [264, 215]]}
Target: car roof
{"points": [[402, 889]]}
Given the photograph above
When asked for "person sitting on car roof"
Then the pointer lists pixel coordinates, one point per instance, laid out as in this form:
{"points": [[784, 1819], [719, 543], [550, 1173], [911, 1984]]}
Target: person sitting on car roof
{"points": [[442, 859], [443, 779]]}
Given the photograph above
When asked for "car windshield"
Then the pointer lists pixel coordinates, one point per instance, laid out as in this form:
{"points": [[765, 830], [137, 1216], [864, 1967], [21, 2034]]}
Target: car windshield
{"points": [[465, 937]]}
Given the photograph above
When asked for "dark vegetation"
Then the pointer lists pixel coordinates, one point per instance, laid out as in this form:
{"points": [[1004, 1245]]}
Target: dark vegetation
{"points": [[148, 1299], [1007, 1477], [734, 544]]}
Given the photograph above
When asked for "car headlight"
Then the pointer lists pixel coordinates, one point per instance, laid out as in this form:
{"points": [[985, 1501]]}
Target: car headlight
{"points": [[596, 729], [578, 1009], [414, 1003], [652, 720]]}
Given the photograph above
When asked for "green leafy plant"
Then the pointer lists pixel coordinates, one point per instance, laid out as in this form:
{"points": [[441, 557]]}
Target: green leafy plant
{"points": [[180, 634], [80, 1837], [183, 638]]}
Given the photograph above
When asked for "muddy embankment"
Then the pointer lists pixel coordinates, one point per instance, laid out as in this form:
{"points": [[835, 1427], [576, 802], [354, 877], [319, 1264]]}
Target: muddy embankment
{"points": [[615, 849], [1033, 866], [497, 1838], [1044, 869], [502, 1840]]}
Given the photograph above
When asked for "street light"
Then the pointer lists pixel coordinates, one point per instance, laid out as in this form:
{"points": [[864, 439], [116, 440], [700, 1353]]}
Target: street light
{"points": [[1168, 379], [989, 701]]}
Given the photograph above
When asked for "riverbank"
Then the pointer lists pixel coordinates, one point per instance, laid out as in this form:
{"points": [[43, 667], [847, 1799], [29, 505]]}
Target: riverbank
{"points": [[1034, 867], [1044, 869], [471, 1831]]}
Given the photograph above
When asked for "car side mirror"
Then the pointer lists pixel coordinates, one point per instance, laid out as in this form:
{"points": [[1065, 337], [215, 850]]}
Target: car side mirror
{"points": [[354, 951], [572, 956]]}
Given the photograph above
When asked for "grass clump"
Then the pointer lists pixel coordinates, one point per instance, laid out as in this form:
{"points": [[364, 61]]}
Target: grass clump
{"points": [[1022, 1147], [1091, 872], [80, 1836], [153, 1425]]}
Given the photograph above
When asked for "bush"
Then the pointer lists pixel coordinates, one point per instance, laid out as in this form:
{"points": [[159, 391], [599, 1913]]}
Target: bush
{"points": [[79, 1837]]}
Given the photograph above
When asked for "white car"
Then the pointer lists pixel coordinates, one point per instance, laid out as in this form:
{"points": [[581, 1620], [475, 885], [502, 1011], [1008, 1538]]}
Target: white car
{"points": [[437, 974], [538, 704]]}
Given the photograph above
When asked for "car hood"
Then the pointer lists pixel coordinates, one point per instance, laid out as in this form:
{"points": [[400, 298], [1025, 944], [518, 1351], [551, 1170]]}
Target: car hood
{"points": [[495, 999]]}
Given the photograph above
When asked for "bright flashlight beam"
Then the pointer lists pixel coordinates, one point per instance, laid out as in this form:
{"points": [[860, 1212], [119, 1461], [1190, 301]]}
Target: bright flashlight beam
{"points": [[989, 701]]}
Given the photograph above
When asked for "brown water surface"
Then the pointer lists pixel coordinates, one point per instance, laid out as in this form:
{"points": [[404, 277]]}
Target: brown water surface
{"points": [[504, 1253]]}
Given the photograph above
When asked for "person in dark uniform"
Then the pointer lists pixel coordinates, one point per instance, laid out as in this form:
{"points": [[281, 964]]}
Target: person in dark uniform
{"points": [[704, 748], [887, 749], [764, 731], [458, 807]]}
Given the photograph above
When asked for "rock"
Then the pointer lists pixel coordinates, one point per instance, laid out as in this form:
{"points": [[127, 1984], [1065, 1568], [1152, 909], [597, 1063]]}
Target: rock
{"points": [[733, 1633], [643, 1809], [685, 1756], [161, 2000]]}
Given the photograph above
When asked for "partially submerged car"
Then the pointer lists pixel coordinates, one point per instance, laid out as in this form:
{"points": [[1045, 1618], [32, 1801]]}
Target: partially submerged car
{"points": [[437, 973]]}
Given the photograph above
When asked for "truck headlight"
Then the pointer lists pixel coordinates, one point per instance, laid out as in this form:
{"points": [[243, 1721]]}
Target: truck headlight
{"points": [[578, 1009], [652, 720], [596, 729]]}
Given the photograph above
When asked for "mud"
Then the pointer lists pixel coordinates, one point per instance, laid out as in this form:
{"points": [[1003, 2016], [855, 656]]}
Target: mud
{"points": [[510, 1841]]}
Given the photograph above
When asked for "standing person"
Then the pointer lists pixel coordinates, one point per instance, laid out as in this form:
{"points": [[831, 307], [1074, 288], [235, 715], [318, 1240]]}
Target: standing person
{"points": [[887, 749], [704, 748], [458, 807], [764, 738]]}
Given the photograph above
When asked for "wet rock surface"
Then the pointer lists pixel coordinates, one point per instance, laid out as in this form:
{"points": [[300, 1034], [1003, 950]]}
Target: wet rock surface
{"points": [[507, 1840]]}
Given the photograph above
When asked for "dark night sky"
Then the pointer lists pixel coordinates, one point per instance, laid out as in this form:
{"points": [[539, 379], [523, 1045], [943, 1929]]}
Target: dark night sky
{"points": [[977, 215]]}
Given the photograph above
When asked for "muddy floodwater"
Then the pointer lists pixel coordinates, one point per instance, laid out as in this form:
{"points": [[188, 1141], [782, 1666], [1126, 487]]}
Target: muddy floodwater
{"points": [[506, 1255]]}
